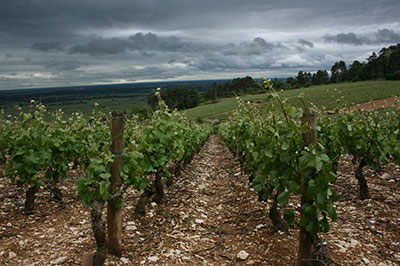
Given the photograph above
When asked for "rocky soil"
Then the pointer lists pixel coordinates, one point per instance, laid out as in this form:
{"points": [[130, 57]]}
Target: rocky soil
{"points": [[209, 217], [377, 104]]}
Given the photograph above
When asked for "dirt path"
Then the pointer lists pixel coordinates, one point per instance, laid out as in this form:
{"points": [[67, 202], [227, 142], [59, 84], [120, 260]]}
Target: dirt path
{"points": [[208, 217], [381, 103]]}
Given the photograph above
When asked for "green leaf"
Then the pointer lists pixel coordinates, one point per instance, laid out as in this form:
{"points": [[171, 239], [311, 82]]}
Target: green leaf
{"points": [[268, 153], [257, 187], [143, 183], [324, 224], [285, 146], [104, 190], [283, 198], [84, 193], [105, 176], [289, 216]]}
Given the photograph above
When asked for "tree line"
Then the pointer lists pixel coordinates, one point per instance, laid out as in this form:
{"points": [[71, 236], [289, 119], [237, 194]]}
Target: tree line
{"points": [[181, 98], [384, 65]]}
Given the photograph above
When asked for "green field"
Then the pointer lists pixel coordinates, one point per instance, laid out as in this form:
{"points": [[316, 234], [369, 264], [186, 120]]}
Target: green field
{"points": [[322, 96], [122, 103]]}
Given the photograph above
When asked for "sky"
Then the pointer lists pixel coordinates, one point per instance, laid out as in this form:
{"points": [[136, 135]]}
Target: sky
{"points": [[46, 43]]}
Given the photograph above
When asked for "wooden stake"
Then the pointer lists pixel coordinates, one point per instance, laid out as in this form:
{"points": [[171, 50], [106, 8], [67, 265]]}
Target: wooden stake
{"points": [[305, 239], [114, 217]]}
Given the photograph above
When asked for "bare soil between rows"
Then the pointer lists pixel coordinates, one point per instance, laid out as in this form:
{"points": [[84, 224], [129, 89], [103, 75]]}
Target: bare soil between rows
{"points": [[208, 216], [377, 104]]}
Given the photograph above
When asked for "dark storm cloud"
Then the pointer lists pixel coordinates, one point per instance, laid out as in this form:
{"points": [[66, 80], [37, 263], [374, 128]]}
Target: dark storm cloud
{"points": [[102, 40], [50, 46], [61, 19], [383, 36], [387, 36], [64, 65], [306, 43], [347, 38], [258, 46], [101, 46], [139, 42]]}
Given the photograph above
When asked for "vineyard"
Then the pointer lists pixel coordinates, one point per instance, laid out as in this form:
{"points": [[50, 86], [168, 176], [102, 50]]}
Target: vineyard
{"points": [[280, 186]]}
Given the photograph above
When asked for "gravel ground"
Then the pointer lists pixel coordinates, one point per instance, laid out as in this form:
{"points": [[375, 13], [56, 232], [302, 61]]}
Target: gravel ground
{"points": [[208, 217]]}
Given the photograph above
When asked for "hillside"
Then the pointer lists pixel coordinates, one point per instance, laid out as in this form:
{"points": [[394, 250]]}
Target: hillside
{"points": [[322, 96]]}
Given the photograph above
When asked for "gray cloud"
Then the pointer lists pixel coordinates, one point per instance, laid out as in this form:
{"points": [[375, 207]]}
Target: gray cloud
{"points": [[8, 56], [139, 42], [347, 38], [101, 46], [387, 36], [258, 46], [382, 36], [306, 43], [67, 65], [101, 41], [50, 46]]}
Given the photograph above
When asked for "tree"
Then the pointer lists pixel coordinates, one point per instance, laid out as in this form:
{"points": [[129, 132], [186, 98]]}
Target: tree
{"points": [[237, 86], [357, 71], [303, 78], [339, 71], [372, 66], [277, 84], [291, 81], [320, 77]]}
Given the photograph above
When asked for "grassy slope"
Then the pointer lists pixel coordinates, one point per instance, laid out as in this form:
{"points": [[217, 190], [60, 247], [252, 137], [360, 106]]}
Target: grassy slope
{"points": [[322, 96]]}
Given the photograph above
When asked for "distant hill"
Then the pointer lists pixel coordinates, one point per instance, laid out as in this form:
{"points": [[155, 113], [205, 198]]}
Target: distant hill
{"points": [[81, 98]]}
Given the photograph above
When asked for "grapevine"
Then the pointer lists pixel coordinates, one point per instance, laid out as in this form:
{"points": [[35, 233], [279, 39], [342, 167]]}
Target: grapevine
{"points": [[272, 142]]}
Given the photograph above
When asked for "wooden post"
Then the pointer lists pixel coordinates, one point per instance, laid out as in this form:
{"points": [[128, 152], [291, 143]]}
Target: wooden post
{"points": [[114, 217], [305, 239]]}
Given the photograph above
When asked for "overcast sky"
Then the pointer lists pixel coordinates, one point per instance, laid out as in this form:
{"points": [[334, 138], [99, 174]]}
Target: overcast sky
{"points": [[69, 42]]}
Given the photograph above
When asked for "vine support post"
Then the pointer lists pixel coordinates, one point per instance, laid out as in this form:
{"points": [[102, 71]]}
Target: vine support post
{"points": [[114, 213], [305, 238]]}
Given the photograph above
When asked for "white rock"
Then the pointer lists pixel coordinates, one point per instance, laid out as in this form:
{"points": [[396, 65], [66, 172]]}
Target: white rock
{"points": [[171, 253], [199, 221], [153, 258], [21, 243], [260, 226], [365, 260], [153, 204], [11, 255], [60, 260], [385, 176], [242, 255], [124, 260], [131, 228], [343, 250], [354, 243]]}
